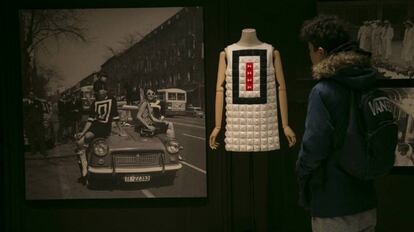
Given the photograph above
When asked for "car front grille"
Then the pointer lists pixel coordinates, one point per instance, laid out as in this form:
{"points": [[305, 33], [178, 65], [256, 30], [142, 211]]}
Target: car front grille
{"points": [[139, 159]]}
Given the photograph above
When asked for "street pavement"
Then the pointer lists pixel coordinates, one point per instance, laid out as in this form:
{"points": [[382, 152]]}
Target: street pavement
{"points": [[55, 176]]}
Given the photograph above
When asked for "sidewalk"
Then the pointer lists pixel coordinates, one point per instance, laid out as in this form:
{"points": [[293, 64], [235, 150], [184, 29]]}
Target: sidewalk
{"points": [[59, 151]]}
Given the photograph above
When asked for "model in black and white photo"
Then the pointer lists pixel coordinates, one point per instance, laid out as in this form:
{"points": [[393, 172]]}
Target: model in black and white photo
{"points": [[113, 103], [403, 109], [383, 28]]}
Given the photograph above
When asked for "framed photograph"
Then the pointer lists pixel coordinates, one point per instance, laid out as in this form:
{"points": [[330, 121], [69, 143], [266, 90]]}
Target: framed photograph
{"points": [[384, 28], [114, 103], [403, 109]]}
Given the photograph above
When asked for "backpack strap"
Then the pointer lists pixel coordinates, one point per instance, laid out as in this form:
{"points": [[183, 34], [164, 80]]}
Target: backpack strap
{"points": [[338, 138]]}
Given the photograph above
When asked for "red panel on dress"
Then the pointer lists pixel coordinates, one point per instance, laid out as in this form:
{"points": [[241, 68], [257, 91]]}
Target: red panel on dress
{"points": [[249, 76]]}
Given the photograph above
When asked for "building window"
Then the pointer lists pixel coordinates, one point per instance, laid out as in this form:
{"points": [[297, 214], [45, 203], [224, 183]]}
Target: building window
{"points": [[188, 76]]}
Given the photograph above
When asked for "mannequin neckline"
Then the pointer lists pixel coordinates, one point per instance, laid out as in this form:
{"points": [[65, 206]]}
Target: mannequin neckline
{"points": [[249, 38], [250, 46]]}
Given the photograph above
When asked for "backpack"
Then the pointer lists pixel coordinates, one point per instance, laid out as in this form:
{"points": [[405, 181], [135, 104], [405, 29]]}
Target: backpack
{"points": [[368, 149]]}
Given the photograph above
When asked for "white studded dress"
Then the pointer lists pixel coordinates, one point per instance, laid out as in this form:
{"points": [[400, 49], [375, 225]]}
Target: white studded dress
{"points": [[251, 106]]}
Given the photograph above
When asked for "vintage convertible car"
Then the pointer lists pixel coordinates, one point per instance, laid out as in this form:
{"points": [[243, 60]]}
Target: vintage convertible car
{"points": [[132, 158]]}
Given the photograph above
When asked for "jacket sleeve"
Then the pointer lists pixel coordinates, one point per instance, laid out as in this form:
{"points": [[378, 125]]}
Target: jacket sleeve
{"points": [[316, 144], [318, 138]]}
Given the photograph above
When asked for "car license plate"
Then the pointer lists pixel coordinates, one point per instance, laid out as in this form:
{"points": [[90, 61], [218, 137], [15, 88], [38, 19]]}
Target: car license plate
{"points": [[141, 178]]}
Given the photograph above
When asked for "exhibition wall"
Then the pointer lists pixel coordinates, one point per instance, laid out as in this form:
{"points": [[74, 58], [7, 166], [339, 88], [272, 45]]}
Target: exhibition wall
{"points": [[245, 191]]}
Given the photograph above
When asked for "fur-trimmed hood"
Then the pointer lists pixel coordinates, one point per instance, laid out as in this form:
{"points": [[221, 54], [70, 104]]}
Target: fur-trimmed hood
{"points": [[348, 67]]}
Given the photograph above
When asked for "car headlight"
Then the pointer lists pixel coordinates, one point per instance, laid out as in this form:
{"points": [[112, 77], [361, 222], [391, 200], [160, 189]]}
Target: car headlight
{"points": [[100, 148], [173, 147]]}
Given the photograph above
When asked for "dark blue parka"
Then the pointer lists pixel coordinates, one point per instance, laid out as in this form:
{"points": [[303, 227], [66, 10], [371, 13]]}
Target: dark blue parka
{"points": [[324, 187]]}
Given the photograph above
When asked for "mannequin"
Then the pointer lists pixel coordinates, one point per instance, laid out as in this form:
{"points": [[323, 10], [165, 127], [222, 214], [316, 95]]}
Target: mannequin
{"points": [[249, 39]]}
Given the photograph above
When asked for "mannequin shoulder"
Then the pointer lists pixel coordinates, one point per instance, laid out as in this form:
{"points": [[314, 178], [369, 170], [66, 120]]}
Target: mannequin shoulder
{"points": [[222, 56]]}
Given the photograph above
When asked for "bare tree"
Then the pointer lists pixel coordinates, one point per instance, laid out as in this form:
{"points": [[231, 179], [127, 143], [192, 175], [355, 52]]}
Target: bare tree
{"points": [[36, 26], [46, 77], [125, 43], [130, 39]]}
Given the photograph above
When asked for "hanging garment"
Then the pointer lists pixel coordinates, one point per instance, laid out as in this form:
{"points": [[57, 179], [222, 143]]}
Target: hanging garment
{"points": [[251, 107], [376, 41], [408, 45], [364, 37], [387, 42]]}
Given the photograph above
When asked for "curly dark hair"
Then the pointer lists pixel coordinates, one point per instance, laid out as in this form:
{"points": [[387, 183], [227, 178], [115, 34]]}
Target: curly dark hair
{"points": [[327, 32]]}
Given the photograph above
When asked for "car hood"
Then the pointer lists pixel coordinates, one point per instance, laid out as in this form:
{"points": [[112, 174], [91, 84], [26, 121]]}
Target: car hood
{"points": [[134, 142]]}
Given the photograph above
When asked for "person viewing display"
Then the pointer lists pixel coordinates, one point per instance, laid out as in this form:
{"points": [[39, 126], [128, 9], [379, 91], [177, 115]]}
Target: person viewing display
{"points": [[337, 201]]}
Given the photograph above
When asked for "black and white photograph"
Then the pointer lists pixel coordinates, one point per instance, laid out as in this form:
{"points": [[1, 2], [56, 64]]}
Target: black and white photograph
{"points": [[385, 28], [403, 109], [113, 103]]}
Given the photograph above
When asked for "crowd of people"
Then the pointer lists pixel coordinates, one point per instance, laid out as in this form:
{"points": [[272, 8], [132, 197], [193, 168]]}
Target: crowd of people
{"points": [[376, 36], [64, 116], [57, 121], [34, 126], [68, 110]]}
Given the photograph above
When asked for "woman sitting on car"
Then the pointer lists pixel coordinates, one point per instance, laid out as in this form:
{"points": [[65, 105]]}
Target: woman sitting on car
{"points": [[148, 121]]}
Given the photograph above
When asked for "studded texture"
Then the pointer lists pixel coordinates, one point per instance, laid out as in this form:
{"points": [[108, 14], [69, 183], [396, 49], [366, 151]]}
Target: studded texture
{"points": [[251, 106]]}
